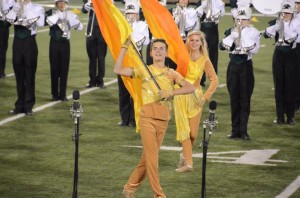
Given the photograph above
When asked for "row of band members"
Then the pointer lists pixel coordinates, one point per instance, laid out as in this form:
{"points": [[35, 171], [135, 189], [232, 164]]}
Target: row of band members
{"points": [[27, 16]]}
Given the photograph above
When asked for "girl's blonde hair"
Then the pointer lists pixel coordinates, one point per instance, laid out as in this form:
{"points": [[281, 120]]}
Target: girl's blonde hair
{"points": [[203, 48]]}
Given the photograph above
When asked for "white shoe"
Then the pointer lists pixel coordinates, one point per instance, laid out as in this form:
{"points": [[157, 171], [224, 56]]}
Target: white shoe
{"points": [[127, 194], [185, 168], [181, 161]]}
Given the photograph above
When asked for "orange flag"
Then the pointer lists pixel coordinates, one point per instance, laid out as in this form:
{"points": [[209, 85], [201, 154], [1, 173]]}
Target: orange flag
{"points": [[115, 30], [162, 25]]}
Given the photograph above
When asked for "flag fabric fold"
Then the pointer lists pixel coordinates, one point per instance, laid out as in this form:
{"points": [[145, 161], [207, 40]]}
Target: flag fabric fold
{"points": [[115, 30], [162, 25]]}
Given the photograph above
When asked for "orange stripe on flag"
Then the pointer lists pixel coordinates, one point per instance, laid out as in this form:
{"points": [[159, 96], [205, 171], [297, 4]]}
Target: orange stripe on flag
{"points": [[162, 25]]}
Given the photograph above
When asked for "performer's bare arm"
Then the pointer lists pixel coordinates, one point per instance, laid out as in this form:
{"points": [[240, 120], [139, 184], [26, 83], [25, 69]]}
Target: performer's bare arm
{"points": [[119, 68]]}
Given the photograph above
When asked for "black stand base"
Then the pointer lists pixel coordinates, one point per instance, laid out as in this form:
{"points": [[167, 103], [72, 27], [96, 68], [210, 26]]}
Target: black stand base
{"points": [[76, 138]]}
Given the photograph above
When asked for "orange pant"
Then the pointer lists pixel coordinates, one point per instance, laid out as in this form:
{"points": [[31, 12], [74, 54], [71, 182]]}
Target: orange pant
{"points": [[187, 145], [152, 135]]}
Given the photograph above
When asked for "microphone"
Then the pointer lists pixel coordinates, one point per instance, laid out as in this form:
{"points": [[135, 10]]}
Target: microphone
{"points": [[212, 118], [76, 96], [76, 108], [212, 108]]}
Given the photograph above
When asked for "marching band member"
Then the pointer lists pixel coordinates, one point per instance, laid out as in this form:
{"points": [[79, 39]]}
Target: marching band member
{"points": [[284, 63], [210, 12], [60, 21], [26, 17], [96, 47], [5, 7], [297, 18], [185, 17], [241, 42], [140, 36]]}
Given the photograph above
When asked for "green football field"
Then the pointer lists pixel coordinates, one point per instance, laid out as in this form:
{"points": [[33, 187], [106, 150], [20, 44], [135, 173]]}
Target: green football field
{"points": [[37, 152]]}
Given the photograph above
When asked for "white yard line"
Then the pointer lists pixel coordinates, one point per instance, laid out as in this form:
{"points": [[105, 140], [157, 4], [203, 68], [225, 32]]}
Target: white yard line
{"points": [[293, 187], [50, 104]]}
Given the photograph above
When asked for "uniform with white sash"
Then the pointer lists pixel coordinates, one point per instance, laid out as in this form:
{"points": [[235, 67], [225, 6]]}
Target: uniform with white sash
{"points": [[284, 65], [5, 7], [240, 76], [25, 18], [209, 25], [60, 23]]}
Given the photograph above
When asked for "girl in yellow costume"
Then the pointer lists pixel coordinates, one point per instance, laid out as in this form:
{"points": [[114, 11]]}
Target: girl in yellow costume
{"points": [[188, 108]]}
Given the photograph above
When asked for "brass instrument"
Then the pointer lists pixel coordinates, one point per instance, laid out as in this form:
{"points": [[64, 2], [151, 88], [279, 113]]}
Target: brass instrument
{"points": [[208, 11], [89, 29], [21, 20], [238, 28], [209, 17], [280, 41], [63, 25], [180, 13]]}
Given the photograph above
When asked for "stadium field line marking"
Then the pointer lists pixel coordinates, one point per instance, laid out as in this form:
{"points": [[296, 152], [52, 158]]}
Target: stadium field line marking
{"points": [[249, 157], [293, 187], [221, 85], [50, 104]]}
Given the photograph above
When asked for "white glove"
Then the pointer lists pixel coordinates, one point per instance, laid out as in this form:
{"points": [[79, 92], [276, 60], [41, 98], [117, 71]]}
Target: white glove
{"points": [[16, 7], [176, 18], [88, 6], [199, 11], [234, 35], [51, 20]]}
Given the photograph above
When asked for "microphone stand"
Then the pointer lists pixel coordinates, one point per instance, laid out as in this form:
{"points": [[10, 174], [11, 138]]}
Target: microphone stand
{"points": [[205, 148], [75, 113], [211, 123]]}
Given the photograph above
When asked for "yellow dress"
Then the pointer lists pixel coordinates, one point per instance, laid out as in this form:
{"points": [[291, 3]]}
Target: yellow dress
{"points": [[186, 106]]}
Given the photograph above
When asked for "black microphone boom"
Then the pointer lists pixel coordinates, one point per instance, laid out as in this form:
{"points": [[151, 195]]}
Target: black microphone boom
{"points": [[213, 105], [212, 122], [212, 108], [76, 96], [76, 108]]}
